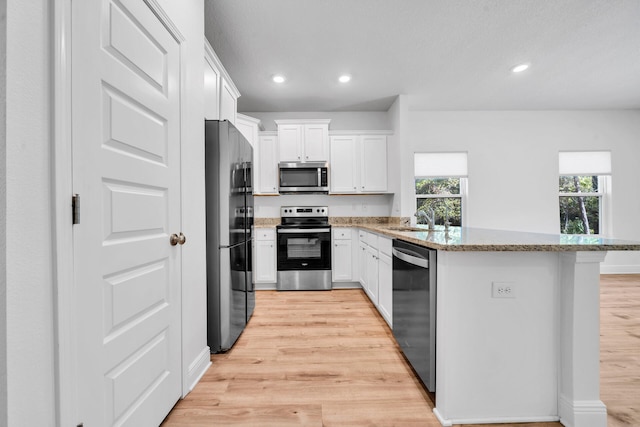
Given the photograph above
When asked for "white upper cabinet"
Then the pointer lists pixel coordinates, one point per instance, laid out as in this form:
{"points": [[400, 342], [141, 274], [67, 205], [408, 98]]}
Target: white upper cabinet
{"points": [[211, 91], [373, 175], [220, 94], [249, 128], [290, 141], [303, 140], [264, 158], [267, 164], [344, 174], [228, 101], [358, 164]]}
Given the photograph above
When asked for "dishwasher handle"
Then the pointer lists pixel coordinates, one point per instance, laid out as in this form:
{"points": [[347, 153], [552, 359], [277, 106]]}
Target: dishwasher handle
{"points": [[411, 257]]}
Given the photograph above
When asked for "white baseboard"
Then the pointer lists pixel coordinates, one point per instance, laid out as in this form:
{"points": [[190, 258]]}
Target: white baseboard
{"points": [[619, 269], [334, 285], [591, 413], [446, 422], [441, 419], [346, 285], [197, 368]]}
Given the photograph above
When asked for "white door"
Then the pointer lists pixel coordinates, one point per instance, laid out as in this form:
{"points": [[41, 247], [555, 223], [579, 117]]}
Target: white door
{"points": [[126, 168]]}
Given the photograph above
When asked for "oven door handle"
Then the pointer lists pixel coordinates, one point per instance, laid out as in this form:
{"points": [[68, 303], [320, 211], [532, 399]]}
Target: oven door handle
{"points": [[303, 230]]}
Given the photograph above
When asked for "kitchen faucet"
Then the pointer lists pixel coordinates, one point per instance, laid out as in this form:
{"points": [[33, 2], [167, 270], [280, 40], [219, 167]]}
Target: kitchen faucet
{"points": [[425, 217]]}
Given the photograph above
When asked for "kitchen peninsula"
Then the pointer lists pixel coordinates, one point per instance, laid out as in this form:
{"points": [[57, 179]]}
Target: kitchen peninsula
{"points": [[532, 355]]}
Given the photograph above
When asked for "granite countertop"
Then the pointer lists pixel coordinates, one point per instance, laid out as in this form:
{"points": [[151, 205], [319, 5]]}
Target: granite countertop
{"points": [[479, 239], [474, 239]]}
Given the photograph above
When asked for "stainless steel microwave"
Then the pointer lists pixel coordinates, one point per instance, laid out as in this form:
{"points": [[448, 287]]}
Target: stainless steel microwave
{"points": [[303, 177]]}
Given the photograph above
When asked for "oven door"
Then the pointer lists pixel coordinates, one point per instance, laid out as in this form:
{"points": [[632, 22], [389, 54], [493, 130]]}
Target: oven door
{"points": [[304, 249]]}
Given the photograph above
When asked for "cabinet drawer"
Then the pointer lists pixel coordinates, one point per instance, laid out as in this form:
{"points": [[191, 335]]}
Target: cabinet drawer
{"points": [[341, 233], [384, 245], [265, 234]]}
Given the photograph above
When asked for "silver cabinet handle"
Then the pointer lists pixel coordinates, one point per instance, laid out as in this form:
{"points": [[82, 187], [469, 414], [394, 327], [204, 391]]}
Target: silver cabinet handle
{"points": [[182, 239], [174, 239]]}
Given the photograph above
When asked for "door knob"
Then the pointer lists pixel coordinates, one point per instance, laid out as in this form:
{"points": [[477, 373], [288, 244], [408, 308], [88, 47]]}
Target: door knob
{"points": [[174, 239], [182, 239]]}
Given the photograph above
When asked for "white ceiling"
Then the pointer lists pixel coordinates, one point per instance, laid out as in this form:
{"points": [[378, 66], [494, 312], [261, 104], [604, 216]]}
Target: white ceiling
{"points": [[443, 54]]}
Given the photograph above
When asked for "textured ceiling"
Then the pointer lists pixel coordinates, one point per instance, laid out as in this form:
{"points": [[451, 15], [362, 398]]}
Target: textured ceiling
{"points": [[443, 54]]}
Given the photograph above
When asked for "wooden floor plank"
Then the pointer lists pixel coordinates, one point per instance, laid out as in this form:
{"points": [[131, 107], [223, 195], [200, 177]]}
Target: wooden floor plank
{"points": [[329, 359]]}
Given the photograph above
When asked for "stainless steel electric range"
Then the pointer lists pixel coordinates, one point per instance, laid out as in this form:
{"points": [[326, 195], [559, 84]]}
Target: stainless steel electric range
{"points": [[304, 248]]}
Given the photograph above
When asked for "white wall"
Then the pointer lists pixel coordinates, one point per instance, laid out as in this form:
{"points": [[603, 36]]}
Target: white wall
{"points": [[400, 172], [29, 293], [30, 353], [366, 205], [513, 165], [188, 17], [3, 207]]}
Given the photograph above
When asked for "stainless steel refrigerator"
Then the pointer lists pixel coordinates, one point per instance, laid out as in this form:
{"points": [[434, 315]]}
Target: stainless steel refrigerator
{"points": [[229, 201]]}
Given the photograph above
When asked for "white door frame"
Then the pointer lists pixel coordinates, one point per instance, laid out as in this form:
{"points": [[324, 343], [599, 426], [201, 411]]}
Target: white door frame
{"points": [[65, 340]]}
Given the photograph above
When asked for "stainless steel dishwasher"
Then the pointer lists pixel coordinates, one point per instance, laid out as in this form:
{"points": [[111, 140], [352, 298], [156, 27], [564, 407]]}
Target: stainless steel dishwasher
{"points": [[414, 307]]}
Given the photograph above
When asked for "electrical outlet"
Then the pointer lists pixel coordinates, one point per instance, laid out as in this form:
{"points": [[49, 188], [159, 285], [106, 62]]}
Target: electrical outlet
{"points": [[503, 290]]}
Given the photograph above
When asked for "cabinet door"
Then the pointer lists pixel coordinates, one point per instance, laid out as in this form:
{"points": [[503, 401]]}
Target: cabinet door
{"points": [[341, 267], [248, 128], [385, 287], [372, 275], [316, 143], [228, 103], [290, 142], [362, 265], [374, 164], [265, 263], [343, 159], [211, 91], [268, 165]]}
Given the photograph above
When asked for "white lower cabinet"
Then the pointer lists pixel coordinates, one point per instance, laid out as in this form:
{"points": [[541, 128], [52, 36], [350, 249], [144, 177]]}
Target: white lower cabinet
{"points": [[341, 265], [376, 273], [264, 259], [385, 287], [372, 275]]}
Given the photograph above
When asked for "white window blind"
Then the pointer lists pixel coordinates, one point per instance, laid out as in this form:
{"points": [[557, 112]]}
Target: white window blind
{"points": [[440, 165], [585, 163]]}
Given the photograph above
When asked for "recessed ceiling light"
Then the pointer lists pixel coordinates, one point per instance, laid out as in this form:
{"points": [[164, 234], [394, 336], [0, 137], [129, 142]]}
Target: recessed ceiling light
{"points": [[344, 78], [278, 78], [520, 68]]}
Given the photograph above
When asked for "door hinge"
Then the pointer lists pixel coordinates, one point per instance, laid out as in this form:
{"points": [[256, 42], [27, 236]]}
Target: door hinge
{"points": [[75, 209]]}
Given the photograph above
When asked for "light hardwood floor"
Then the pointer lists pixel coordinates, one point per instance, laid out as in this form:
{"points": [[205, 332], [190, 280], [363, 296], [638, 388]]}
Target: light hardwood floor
{"points": [[329, 359]]}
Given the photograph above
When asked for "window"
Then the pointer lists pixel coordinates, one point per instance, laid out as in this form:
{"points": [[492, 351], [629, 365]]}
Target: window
{"points": [[583, 191], [440, 184]]}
